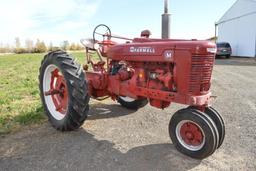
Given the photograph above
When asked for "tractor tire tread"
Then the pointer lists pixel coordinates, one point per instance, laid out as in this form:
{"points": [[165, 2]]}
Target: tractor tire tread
{"points": [[79, 98], [219, 122], [207, 124]]}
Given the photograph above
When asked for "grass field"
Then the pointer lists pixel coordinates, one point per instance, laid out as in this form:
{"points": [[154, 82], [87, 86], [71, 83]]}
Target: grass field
{"points": [[19, 93]]}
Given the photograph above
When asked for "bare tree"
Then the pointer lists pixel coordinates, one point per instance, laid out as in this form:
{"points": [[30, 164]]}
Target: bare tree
{"points": [[17, 42], [29, 45], [79, 47], [65, 45], [50, 47], [40, 47], [72, 46]]}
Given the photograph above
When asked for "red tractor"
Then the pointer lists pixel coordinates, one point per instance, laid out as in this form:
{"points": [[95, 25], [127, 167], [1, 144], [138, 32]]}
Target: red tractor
{"points": [[140, 71]]}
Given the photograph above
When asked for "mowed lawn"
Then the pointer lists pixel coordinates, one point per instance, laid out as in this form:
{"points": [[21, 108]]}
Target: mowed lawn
{"points": [[19, 93]]}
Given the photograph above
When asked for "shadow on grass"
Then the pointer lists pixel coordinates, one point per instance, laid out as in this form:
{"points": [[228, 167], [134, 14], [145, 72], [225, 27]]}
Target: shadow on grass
{"points": [[8, 122], [34, 116], [97, 111]]}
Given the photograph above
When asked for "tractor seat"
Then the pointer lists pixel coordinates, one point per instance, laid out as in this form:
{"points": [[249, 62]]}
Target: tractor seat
{"points": [[89, 43]]}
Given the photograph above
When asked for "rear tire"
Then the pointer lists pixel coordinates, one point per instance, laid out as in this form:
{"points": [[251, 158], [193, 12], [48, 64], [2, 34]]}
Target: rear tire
{"points": [[227, 56], [67, 107], [130, 103], [193, 133]]}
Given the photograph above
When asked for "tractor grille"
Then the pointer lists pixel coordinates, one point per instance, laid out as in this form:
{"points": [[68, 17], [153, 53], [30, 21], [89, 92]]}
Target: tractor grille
{"points": [[201, 71]]}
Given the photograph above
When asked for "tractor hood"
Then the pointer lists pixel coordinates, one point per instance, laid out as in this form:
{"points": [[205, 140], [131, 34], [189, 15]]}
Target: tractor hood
{"points": [[158, 50]]}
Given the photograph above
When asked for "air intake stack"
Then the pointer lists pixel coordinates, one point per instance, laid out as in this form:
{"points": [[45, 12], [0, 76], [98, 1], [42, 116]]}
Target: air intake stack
{"points": [[166, 22]]}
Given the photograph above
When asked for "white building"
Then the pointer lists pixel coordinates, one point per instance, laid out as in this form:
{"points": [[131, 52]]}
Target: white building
{"points": [[238, 27]]}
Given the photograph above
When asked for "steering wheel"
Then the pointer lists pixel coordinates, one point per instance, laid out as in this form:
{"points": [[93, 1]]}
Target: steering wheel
{"points": [[102, 30]]}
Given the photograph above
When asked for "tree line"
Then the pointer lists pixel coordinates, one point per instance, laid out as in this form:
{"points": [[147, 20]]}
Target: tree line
{"points": [[38, 47]]}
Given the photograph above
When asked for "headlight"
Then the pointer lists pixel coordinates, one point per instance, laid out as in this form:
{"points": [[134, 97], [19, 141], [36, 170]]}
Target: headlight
{"points": [[211, 50]]}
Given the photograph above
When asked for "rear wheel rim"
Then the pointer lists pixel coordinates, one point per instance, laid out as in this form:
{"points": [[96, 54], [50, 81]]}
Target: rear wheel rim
{"points": [[127, 99], [55, 92], [190, 135]]}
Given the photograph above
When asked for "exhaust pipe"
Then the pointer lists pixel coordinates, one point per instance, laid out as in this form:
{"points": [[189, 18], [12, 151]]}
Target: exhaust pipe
{"points": [[166, 22]]}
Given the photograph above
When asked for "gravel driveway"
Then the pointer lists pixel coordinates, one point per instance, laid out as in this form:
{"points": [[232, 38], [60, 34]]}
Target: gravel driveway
{"points": [[114, 138]]}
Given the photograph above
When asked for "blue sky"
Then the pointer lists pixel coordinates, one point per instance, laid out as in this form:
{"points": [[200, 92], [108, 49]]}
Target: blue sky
{"points": [[58, 20]]}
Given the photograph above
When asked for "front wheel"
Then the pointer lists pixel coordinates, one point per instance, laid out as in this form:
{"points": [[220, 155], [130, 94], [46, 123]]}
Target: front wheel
{"points": [[219, 122], [193, 133], [63, 91], [131, 103]]}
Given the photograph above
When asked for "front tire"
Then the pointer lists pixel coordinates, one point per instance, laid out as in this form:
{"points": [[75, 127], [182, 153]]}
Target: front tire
{"points": [[63, 91], [131, 103], [219, 122], [193, 133]]}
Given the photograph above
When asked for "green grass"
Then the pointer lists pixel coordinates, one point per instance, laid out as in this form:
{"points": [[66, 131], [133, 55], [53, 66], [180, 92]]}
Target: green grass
{"points": [[19, 93]]}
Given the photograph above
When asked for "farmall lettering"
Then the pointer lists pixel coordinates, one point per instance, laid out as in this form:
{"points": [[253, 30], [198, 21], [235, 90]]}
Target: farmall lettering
{"points": [[142, 49]]}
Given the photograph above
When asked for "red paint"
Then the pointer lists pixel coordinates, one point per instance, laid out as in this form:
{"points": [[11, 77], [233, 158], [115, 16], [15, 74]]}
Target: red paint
{"points": [[58, 92], [105, 46], [191, 134], [163, 71]]}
